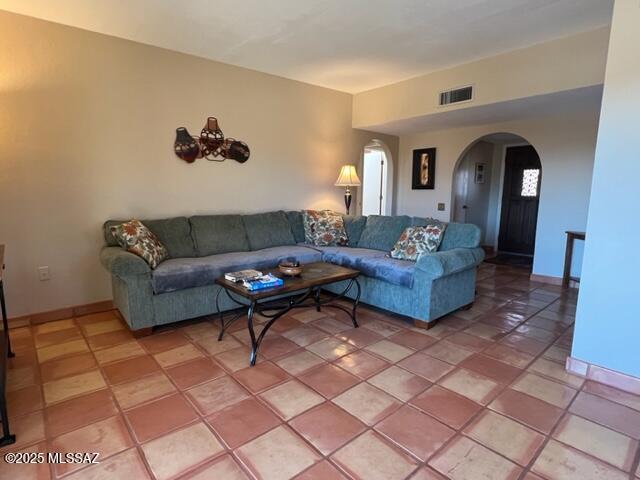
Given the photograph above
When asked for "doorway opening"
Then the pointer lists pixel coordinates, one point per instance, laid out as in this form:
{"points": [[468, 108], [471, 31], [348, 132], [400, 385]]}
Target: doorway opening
{"points": [[520, 200], [376, 180], [496, 186]]}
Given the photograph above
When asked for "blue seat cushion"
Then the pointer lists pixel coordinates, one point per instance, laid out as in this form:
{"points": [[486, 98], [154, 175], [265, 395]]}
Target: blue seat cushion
{"points": [[372, 263], [180, 273]]}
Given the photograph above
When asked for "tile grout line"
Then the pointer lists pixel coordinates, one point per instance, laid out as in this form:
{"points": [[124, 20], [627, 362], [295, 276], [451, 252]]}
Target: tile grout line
{"points": [[121, 414], [368, 428], [460, 432], [461, 328], [201, 418]]}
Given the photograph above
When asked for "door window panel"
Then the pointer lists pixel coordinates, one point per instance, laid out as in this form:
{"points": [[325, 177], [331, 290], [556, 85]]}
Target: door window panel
{"points": [[530, 178]]}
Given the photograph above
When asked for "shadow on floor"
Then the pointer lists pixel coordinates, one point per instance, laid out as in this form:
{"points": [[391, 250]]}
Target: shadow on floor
{"points": [[511, 260]]}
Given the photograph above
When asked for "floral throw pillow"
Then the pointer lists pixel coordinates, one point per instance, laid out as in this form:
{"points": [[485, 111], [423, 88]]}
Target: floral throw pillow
{"points": [[416, 241], [324, 228], [134, 237]]}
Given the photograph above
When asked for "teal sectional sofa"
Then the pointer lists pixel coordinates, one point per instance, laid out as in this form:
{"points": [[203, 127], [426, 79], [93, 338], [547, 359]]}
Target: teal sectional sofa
{"points": [[202, 248]]}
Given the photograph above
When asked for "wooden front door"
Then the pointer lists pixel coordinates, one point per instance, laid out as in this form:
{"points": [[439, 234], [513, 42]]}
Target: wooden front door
{"points": [[520, 198]]}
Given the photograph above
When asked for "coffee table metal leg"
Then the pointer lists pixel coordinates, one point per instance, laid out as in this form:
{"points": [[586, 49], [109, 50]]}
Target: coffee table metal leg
{"points": [[224, 326], [316, 297], [5, 323], [255, 307], [252, 334], [308, 298], [334, 302], [7, 437], [220, 315], [355, 303]]}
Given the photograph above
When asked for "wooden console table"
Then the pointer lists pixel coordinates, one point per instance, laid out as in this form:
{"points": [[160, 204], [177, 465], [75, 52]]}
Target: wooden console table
{"points": [[568, 256], [5, 352]]}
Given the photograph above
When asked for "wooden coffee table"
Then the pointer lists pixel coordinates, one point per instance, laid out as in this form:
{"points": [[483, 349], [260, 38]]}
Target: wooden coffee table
{"points": [[302, 291]]}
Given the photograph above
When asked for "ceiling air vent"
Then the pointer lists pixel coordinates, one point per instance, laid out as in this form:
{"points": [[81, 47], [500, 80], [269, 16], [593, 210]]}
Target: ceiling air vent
{"points": [[457, 95]]}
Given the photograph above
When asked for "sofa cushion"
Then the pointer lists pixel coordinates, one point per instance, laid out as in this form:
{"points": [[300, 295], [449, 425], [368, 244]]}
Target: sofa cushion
{"points": [[457, 235], [136, 238], [265, 230], [460, 235], [354, 226], [296, 224], [215, 234], [173, 233], [424, 221], [416, 241], [181, 273], [440, 264], [324, 228], [381, 232], [372, 263]]}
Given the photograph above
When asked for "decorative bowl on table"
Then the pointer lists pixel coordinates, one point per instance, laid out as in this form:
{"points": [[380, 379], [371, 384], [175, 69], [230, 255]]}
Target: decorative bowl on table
{"points": [[290, 269]]}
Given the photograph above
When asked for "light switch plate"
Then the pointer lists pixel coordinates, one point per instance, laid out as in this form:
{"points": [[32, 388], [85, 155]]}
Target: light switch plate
{"points": [[43, 274]]}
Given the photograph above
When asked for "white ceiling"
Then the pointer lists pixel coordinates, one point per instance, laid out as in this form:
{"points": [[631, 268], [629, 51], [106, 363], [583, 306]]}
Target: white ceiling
{"points": [[348, 45]]}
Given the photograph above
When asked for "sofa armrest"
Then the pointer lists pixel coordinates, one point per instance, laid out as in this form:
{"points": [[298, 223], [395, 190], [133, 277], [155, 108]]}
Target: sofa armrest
{"points": [[441, 264], [121, 263]]}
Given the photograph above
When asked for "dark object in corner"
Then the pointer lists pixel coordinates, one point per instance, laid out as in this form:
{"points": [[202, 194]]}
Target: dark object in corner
{"points": [[524, 261], [5, 352]]}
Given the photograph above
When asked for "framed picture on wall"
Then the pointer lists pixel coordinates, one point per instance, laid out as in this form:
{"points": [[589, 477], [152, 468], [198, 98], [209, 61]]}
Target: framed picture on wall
{"points": [[424, 169], [481, 168]]}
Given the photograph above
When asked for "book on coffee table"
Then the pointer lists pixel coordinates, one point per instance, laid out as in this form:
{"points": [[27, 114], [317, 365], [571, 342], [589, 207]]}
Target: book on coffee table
{"points": [[262, 282], [242, 275]]}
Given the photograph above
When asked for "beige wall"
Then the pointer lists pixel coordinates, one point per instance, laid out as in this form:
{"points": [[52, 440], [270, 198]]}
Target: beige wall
{"points": [[87, 124], [566, 147], [555, 66]]}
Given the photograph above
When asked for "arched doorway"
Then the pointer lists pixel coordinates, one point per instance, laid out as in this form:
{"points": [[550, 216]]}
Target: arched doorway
{"points": [[377, 179], [496, 185]]}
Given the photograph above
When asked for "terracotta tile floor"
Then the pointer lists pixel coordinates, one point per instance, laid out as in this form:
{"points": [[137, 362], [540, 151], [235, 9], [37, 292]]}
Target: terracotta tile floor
{"points": [[483, 395]]}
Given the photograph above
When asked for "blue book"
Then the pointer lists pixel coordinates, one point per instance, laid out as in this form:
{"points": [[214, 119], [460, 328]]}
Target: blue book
{"points": [[266, 281]]}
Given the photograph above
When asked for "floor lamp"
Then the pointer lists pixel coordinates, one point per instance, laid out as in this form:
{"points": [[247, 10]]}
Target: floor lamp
{"points": [[347, 178]]}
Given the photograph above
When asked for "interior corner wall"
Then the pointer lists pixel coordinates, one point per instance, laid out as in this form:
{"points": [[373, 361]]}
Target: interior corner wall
{"points": [[87, 124], [607, 330], [566, 145]]}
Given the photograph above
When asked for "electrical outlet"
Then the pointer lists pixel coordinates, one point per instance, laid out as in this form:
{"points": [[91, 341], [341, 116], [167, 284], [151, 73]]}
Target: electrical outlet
{"points": [[43, 274], [441, 207]]}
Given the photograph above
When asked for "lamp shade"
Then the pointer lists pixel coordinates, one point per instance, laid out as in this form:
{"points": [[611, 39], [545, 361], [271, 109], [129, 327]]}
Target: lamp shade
{"points": [[348, 177]]}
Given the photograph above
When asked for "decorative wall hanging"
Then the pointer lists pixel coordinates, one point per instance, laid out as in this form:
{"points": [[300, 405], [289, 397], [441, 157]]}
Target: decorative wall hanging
{"points": [[424, 169], [210, 145]]}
